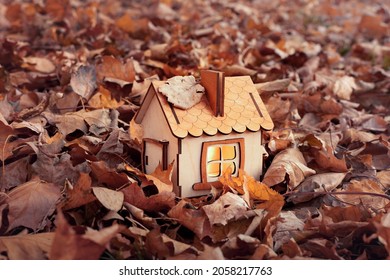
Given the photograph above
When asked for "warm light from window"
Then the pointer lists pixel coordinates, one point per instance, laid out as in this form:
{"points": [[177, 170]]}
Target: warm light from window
{"points": [[219, 158]]}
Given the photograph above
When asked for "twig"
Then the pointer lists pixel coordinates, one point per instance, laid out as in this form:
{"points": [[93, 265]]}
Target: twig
{"points": [[338, 193]]}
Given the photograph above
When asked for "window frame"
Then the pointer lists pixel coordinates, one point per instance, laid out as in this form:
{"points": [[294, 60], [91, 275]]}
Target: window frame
{"points": [[206, 145]]}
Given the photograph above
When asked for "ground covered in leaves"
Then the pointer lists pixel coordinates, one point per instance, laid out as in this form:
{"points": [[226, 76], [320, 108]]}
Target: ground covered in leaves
{"points": [[73, 74]]}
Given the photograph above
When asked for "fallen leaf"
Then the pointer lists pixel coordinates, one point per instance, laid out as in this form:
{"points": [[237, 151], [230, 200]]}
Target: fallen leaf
{"points": [[31, 203], [133, 26], [83, 81], [369, 199], [80, 194], [26, 246], [71, 244], [286, 226], [162, 178], [134, 195], [192, 218], [277, 85], [343, 87], [98, 121], [112, 200], [108, 176], [6, 132], [104, 99], [259, 191], [210, 253], [39, 64], [324, 182], [321, 248], [287, 165], [241, 246], [112, 70], [227, 207], [182, 91], [155, 245], [384, 178], [383, 231]]}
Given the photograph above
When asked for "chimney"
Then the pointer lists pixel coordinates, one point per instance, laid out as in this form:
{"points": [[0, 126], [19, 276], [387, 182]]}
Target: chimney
{"points": [[214, 83]]}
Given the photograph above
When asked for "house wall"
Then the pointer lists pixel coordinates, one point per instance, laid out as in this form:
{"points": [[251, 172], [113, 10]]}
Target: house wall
{"points": [[190, 163], [158, 129]]}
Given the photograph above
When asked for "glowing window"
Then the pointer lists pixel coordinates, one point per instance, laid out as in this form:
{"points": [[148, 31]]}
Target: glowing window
{"points": [[220, 155]]}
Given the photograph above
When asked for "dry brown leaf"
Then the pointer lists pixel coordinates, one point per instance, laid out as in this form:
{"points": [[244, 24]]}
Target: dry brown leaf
{"points": [[192, 218], [321, 248], [134, 26], [367, 186], [162, 178], [323, 155], [31, 203], [112, 200], [99, 121], [383, 231], [291, 249], [343, 87], [39, 64], [373, 25], [155, 245], [349, 213], [80, 194], [277, 85], [112, 70], [69, 244], [287, 165], [210, 253], [227, 207], [103, 99], [6, 131], [134, 195], [107, 176], [83, 81], [259, 191], [324, 182], [26, 246], [384, 178], [288, 225]]}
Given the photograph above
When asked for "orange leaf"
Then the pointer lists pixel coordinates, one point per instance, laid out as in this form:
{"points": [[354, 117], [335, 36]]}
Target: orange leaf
{"points": [[162, 178], [112, 70]]}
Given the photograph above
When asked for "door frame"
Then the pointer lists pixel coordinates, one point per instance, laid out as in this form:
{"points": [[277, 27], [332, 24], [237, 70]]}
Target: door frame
{"points": [[163, 144]]}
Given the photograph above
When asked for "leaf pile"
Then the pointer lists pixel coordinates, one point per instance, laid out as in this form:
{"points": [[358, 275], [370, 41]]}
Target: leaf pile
{"points": [[73, 74]]}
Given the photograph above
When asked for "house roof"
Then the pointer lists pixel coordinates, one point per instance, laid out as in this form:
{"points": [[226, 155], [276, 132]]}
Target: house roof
{"points": [[243, 110]]}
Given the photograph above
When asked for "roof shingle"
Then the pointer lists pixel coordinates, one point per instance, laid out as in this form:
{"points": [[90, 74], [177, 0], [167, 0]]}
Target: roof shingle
{"points": [[243, 110]]}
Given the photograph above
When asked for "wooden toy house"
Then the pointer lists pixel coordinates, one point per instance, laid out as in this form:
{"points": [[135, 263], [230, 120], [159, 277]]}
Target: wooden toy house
{"points": [[224, 129]]}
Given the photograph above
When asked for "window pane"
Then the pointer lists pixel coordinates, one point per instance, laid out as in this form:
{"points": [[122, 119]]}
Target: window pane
{"points": [[213, 169], [228, 152], [213, 153], [232, 165]]}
